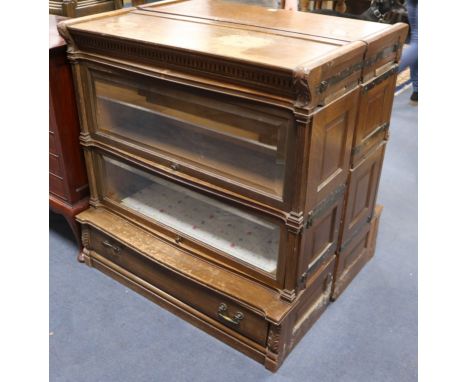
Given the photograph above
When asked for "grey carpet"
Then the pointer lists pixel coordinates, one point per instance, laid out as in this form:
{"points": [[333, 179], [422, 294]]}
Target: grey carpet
{"points": [[102, 331]]}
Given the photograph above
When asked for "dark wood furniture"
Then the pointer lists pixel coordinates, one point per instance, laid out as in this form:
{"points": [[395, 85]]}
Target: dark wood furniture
{"points": [[337, 5], [68, 185], [79, 8], [233, 175], [356, 7]]}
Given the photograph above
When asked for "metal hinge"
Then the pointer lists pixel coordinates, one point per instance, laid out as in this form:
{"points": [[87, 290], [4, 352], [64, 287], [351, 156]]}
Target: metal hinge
{"points": [[382, 54], [325, 205], [314, 266], [380, 79], [378, 130], [323, 86]]}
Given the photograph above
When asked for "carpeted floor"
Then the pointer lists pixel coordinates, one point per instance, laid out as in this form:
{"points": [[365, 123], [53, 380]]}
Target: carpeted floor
{"points": [[102, 331]]}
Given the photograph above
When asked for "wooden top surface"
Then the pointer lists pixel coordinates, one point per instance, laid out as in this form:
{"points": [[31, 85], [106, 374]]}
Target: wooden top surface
{"points": [[260, 36], [55, 40], [225, 41], [303, 23]]}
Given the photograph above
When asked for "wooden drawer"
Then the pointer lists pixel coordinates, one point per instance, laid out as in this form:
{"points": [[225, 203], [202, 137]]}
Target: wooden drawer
{"points": [[207, 301], [54, 165], [362, 192], [57, 186], [375, 108], [53, 149]]}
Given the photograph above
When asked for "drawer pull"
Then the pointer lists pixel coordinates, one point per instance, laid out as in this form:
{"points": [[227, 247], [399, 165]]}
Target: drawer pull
{"points": [[177, 239], [222, 309], [114, 248], [175, 166]]}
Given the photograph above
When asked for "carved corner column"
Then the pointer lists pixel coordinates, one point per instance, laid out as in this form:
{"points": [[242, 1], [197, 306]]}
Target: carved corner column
{"points": [[83, 256], [276, 347]]}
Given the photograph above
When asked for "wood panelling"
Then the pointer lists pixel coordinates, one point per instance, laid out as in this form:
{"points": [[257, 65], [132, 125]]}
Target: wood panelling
{"points": [[375, 107], [362, 193], [330, 148], [355, 254]]}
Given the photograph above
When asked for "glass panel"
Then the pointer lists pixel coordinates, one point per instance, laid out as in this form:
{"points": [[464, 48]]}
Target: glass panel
{"points": [[241, 235], [221, 135]]}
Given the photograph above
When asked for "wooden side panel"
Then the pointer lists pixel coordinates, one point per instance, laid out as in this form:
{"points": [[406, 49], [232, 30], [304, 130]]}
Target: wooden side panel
{"points": [[375, 227], [57, 186], [304, 313], [384, 50], [313, 302], [320, 237], [375, 108], [352, 258], [362, 192], [330, 148]]}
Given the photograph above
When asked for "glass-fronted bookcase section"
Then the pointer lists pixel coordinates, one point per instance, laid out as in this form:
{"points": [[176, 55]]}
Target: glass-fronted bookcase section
{"points": [[240, 145], [202, 223]]}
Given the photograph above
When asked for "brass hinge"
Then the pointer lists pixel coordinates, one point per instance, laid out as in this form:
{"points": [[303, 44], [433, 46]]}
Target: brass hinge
{"points": [[324, 205]]}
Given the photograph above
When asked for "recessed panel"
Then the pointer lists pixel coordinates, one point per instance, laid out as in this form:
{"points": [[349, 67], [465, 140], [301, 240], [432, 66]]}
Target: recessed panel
{"points": [[333, 147]]}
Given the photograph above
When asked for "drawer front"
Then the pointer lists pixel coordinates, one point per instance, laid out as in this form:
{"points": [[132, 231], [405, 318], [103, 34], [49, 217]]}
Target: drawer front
{"points": [[330, 148], [53, 149], [55, 165], [209, 302], [362, 192], [375, 108], [57, 186], [197, 133]]}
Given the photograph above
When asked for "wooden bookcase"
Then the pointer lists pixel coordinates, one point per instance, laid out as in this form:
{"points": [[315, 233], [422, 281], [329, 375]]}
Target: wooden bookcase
{"points": [[233, 174]]}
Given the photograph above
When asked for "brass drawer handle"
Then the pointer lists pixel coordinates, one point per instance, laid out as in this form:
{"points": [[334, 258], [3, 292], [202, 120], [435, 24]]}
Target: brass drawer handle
{"points": [[175, 166], [177, 239], [233, 321], [114, 248]]}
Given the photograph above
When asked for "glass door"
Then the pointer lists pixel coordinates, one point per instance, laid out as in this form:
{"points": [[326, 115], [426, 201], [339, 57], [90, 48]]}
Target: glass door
{"points": [[227, 139], [220, 227]]}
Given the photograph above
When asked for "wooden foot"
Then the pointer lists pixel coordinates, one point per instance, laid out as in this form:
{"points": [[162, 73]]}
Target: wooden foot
{"points": [[69, 212], [80, 257]]}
